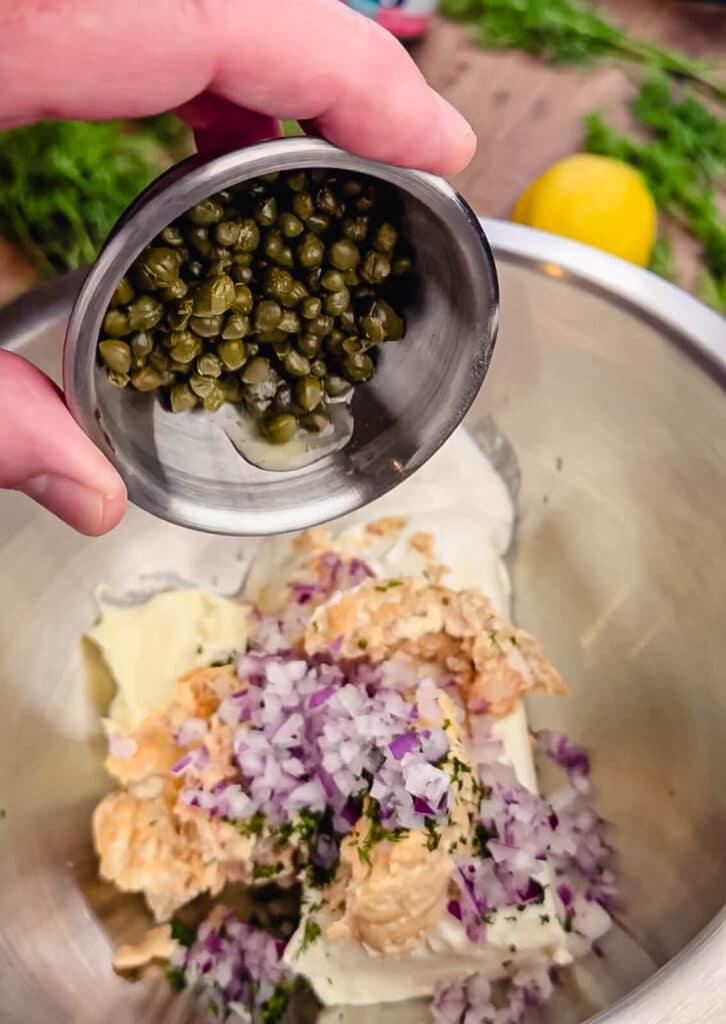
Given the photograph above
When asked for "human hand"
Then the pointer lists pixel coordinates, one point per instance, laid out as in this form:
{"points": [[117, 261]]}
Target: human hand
{"points": [[231, 69]]}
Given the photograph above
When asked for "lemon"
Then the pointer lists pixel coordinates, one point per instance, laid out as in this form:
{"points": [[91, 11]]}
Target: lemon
{"points": [[596, 200]]}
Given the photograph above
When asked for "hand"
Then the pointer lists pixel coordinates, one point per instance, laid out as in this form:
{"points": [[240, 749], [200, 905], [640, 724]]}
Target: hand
{"points": [[231, 69]]}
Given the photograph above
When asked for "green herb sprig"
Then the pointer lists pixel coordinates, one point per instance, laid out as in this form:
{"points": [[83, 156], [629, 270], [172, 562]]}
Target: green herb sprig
{"points": [[571, 32]]}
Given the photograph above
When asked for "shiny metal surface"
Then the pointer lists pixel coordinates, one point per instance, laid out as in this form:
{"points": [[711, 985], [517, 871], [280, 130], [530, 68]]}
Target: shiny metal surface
{"points": [[185, 469], [613, 401]]}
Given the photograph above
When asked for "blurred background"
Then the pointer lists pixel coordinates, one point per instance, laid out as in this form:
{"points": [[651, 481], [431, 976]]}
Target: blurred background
{"points": [[600, 121]]}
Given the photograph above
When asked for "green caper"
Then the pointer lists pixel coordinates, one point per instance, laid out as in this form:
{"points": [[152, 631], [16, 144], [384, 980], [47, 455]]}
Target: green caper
{"points": [[296, 364], [140, 277], [142, 345], [297, 181], [200, 241], [257, 371], [271, 337], [344, 254], [335, 386], [283, 398], [227, 232], [214, 400], [315, 422], [375, 268], [351, 278], [249, 237], [347, 321], [356, 228], [313, 280], [176, 290], [240, 274], [327, 201], [322, 325], [236, 325], [251, 348], [268, 314], [289, 322], [215, 295], [158, 360], [182, 398], [206, 212], [146, 379], [275, 249], [186, 348], [318, 223], [303, 205], [206, 326], [243, 300], [161, 263], [266, 212], [119, 380], [352, 344], [282, 347], [116, 355], [232, 353], [385, 238], [372, 329], [308, 393], [172, 236], [231, 388], [178, 314], [309, 344], [123, 293], [367, 200], [351, 188], [358, 367], [145, 313], [116, 324], [318, 368], [277, 283], [217, 267], [279, 428], [209, 365], [311, 307], [393, 325], [290, 225], [334, 344], [401, 265], [332, 280], [337, 302], [194, 269], [202, 387]]}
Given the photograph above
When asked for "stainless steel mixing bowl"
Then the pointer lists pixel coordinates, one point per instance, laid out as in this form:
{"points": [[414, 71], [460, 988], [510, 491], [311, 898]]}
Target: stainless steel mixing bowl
{"points": [[609, 385], [184, 468]]}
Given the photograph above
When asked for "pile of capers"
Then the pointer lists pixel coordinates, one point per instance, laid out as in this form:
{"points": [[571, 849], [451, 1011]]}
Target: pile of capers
{"points": [[273, 294]]}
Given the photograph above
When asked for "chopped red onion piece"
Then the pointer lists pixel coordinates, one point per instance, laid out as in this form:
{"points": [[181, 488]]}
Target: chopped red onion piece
{"points": [[192, 730]]}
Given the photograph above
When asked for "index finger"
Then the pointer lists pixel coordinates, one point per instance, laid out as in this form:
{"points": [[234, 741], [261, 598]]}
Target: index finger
{"points": [[315, 60]]}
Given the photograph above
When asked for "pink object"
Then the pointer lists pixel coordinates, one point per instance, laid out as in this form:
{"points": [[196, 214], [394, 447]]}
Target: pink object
{"points": [[406, 19]]}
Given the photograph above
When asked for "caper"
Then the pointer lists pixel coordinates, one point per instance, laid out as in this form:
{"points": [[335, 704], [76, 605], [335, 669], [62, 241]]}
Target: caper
{"points": [[290, 225], [289, 322], [199, 240], [401, 265], [308, 393], [337, 302], [116, 355], [311, 307], [275, 249], [227, 232], [366, 201], [352, 344], [375, 268], [309, 344], [161, 263], [318, 368], [172, 235], [202, 386], [332, 280], [372, 329], [392, 324], [351, 278], [206, 212], [141, 278], [119, 380], [318, 223], [351, 188], [335, 386], [277, 283], [251, 348], [334, 343], [220, 266], [327, 201], [182, 398], [231, 388], [321, 325], [344, 254], [249, 236], [385, 238], [123, 293], [176, 290], [243, 300], [194, 269], [267, 315], [303, 205], [257, 371], [296, 364], [215, 295], [315, 422], [266, 212], [186, 348], [116, 323], [141, 345], [158, 360], [272, 337], [356, 228], [232, 353], [209, 365], [279, 428], [282, 347], [297, 181], [236, 325], [358, 367], [347, 321], [283, 398], [241, 274], [146, 379], [313, 280], [206, 326], [145, 313], [178, 314], [214, 400]]}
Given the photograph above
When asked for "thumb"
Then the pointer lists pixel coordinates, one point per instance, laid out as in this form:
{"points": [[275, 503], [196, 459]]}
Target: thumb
{"points": [[46, 455]]}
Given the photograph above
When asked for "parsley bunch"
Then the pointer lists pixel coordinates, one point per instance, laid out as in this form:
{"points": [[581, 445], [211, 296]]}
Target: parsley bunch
{"points": [[569, 31]]}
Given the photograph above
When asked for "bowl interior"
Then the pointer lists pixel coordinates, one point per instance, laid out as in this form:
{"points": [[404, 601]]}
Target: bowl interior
{"points": [[185, 468], [617, 569]]}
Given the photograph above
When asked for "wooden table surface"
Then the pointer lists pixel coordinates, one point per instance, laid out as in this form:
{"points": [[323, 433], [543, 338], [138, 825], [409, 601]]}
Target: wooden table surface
{"points": [[526, 114]]}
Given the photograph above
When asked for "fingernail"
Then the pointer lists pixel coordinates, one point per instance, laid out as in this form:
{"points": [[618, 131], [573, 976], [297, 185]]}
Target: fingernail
{"points": [[81, 507], [457, 134]]}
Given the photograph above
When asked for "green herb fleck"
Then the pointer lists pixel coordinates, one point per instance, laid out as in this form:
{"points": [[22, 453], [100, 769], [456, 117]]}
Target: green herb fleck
{"points": [[213, 1007], [362, 643], [544, 918], [182, 932], [273, 1010], [266, 870], [480, 844], [252, 826], [389, 585], [433, 835], [311, 933], [567, 923], [175, 977], [220, 662]]}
